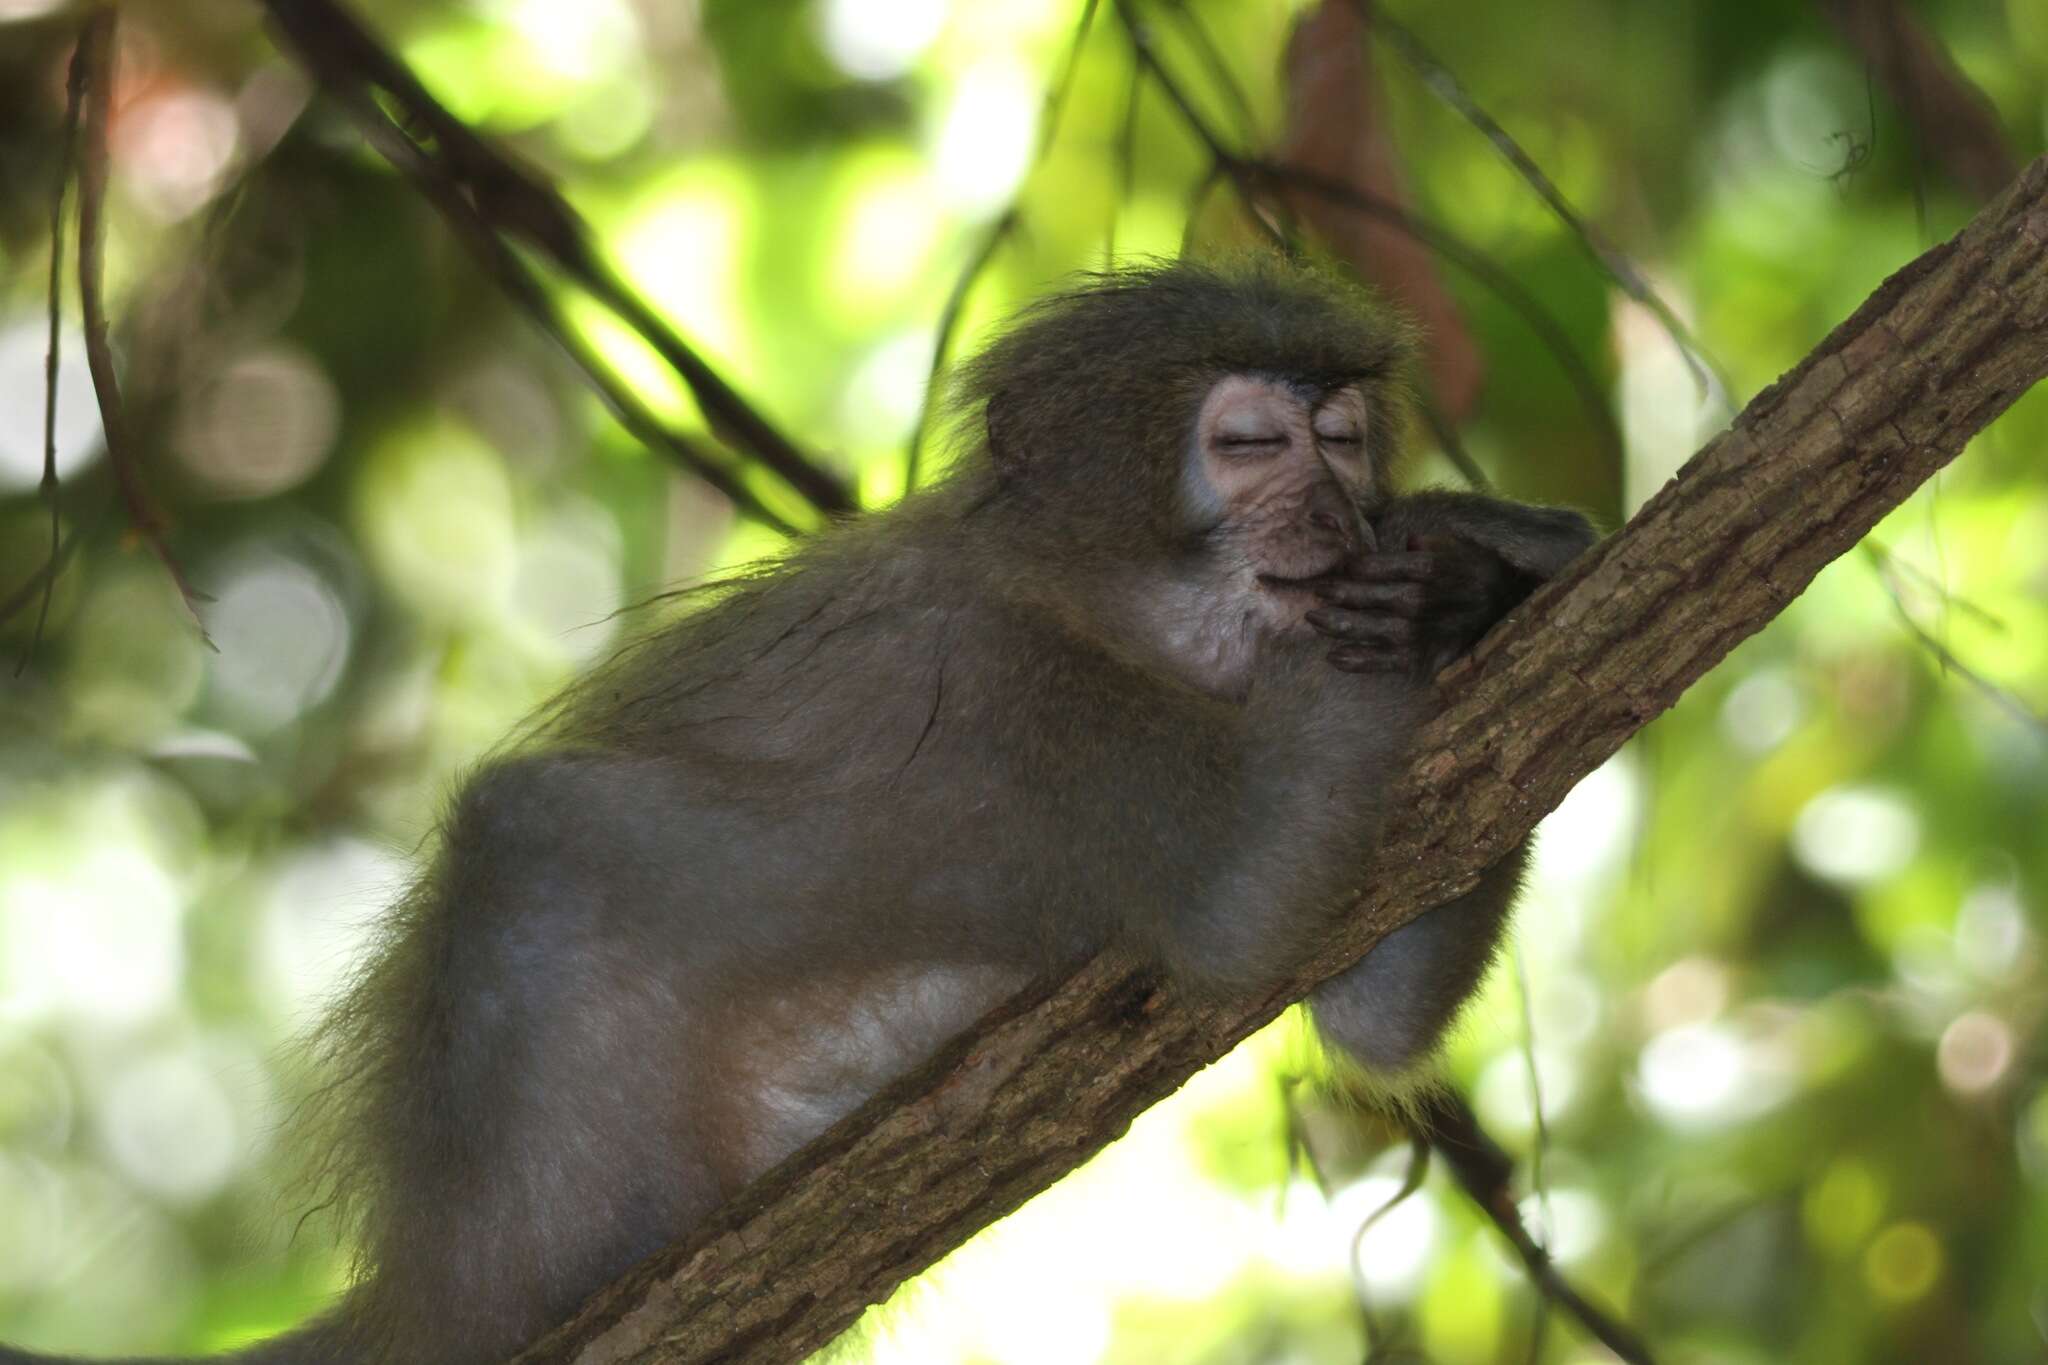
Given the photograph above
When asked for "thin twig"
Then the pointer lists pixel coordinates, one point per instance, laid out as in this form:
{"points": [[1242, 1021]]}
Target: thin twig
{"points": [[1485, 1173], [1451, 444], [1211, 57], [942, 344], [96, 53], [1540, 1147], [67, 157], [1256, 206], [992, 240], [36, 584], [1252, 179], [1950, 601], [1126, 159], [1411, 1181], [499, 200], [1442, 82], [1998, 696]]}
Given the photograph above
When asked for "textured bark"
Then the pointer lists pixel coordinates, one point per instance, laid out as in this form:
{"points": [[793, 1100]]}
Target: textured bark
{"points": [[1809, 467]]}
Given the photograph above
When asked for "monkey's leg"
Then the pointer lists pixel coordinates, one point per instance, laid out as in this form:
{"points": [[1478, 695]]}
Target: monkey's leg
{"points": [[522, 1114], [1390, 1011]]}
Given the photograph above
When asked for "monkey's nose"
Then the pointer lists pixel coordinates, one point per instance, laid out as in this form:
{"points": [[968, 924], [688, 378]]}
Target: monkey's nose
{"points": [[1344, 529]]}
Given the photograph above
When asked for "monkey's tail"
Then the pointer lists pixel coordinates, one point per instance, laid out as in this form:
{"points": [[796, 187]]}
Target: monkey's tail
{"points": [[323, 1341]]}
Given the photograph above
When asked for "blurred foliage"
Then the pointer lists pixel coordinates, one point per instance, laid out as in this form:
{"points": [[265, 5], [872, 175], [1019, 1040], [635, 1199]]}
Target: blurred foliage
{"points": [[1784, 956]]}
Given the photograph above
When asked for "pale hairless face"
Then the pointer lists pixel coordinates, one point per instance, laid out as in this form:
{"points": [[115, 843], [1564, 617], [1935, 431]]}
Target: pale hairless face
{"points": [[1275, 490], [1281, 477]]}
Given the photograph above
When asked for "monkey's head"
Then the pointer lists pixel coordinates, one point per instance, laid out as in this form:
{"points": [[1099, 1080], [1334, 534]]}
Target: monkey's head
{"points": [[1222, 431]]}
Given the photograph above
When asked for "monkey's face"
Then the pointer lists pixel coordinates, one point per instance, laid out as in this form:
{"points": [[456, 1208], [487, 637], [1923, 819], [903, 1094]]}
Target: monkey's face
{"points": [[1277, 488]]}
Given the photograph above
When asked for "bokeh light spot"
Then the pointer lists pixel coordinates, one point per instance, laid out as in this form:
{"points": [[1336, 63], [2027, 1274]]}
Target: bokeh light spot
{"points": [[168, 1125], [1974, 1053], [283, 636], [985, 140], [1903, 1262], [1843, 1206], [175, 149], [1762, 711], [1693, 1075], [1856, 835], [261, 425], [874, 42], [101, 939]]}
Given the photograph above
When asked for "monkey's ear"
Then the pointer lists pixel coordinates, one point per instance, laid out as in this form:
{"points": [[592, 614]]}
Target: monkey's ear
{"points": [[1000, 417]]}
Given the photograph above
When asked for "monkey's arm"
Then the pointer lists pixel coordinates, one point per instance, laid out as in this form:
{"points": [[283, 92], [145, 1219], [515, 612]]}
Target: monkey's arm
{"points": [[1535, 542], [1390, 1011], [1271, 864], [1465, 561]]}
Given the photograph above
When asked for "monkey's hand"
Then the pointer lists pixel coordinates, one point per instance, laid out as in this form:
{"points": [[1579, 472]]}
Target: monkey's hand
{"points": [[1414, 609]]}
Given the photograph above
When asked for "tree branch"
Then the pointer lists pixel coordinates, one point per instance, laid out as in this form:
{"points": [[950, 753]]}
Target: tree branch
{"points": [[95, 59], [1043, 1081], [491, 201], [1486, 1174]]}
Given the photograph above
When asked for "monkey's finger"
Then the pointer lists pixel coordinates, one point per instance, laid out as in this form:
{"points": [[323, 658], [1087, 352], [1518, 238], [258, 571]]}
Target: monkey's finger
{"points": [[1371, 659], [1362, 625], [1404, 598], [1397, 566]]}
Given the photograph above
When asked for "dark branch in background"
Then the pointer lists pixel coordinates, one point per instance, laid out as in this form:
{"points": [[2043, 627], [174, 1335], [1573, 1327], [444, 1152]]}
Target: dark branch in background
{"points": [[1040, 1083], [992, 240], [1475, 263], [1950, 117], [67, 156], [95, 58], [1442, 82], [1278, 228], [1486, 1174], [1258, 182], [524, 289], [490, 201], [1213, 61]]}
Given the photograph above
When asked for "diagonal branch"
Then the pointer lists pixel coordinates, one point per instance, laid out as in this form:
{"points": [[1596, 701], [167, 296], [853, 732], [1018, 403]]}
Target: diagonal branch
{"points": [[1485, 1173], [1043, 1081], [492, 202]]}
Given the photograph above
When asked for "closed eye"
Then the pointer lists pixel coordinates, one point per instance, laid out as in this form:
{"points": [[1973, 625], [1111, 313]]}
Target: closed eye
{"points": [[1338, 438], [1250, 442]]}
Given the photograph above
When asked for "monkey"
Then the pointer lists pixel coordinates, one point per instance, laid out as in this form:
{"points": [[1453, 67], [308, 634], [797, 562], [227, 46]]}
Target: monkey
{"points": [[1136, 671]]}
